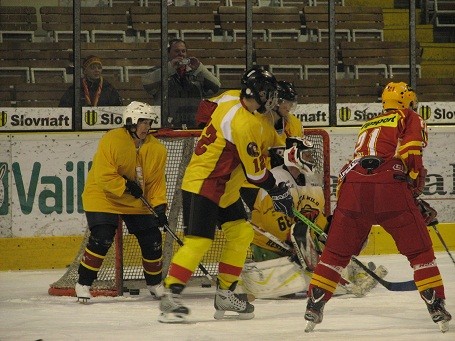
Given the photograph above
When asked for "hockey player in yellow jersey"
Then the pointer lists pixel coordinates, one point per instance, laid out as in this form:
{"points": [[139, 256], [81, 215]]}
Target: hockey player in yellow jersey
{"points": [[129, 163], [279, 240], [282, 120], [232, 147]]}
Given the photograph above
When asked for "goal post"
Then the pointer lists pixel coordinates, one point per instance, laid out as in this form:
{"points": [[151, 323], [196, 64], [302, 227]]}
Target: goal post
{"points": [[122, 267]]}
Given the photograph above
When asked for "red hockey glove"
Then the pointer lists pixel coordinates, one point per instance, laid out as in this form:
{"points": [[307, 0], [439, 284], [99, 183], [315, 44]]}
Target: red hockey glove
{"points": [[418, 184]]}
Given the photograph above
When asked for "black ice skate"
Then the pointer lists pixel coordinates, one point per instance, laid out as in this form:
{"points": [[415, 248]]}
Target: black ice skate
{"points": [[314, 309], [436, 308], [172, 310], [227, 300]]}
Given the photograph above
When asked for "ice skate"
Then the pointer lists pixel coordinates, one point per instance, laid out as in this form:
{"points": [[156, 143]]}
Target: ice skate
{"points": [[157, 291], [436, 308], [82, 293], [227, 300], [314, 309], [172, 310]]}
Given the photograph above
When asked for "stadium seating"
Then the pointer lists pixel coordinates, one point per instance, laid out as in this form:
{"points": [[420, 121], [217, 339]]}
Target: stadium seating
{"points": [[127, 38], [103, 23], [444, 13], [18, 23], [375, 57], [269, 23], [183, 22], [288, 57], [352, 23]]}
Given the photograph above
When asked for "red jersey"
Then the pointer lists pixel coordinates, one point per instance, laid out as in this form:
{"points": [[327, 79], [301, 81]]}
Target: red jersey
{"points": [[394, 134]]}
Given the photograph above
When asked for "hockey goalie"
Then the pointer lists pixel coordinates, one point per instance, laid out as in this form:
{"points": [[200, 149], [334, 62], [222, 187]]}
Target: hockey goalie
{"points": [[285, 251]]}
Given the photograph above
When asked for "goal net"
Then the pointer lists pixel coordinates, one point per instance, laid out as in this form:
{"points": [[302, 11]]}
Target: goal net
{"points": [[122, 269]]}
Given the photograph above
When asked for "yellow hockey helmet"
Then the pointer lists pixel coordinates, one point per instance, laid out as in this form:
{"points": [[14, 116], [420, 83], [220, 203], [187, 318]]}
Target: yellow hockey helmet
{"points": [[399, 96]]}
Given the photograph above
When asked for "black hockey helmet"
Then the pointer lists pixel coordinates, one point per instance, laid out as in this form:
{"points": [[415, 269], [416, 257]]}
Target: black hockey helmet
{"points": [[286, 91], [261, 85]]}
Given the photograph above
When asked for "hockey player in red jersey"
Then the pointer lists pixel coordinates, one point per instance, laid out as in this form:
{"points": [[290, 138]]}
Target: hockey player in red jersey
{"points": [[387, 164]]}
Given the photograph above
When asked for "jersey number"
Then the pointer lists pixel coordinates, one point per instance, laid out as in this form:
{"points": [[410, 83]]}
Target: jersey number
{"points": [[370, 137], [208, 138]]}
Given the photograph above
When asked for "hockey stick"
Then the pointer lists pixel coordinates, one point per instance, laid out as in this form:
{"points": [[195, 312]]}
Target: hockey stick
{"points": [[272, 237], [392, 286], [176, 238], [434, 226], [343, 282]]}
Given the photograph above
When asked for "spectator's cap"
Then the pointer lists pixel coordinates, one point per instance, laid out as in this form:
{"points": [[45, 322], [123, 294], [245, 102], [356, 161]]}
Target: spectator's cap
{"points": [[91, 60]]}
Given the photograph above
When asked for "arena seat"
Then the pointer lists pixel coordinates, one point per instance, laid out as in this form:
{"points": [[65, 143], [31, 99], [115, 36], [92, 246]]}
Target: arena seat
{"points": [[269, 23], [18, 23], [103, 23], [40, 54], [38, 95], [444, 13], [186, 22], [375, 57], [288, 57], [436, 89], [352, 23]]}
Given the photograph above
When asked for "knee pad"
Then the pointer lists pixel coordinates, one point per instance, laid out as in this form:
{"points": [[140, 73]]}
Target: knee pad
{"points": [[239, 234], [101, 238], [151, 243]]}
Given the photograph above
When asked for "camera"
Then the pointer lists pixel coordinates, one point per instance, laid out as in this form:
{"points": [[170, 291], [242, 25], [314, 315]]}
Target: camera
{"points": [[185, 61]]}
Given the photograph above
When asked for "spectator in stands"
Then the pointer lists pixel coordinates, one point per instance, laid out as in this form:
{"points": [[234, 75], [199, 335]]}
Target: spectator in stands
{"points": [[96, 91], [189, 82]]}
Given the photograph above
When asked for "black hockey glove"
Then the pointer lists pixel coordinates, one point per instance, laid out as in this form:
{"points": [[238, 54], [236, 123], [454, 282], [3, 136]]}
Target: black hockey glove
{"points": [[282, 199], [133, 188], [160, 211], [428, 213]]}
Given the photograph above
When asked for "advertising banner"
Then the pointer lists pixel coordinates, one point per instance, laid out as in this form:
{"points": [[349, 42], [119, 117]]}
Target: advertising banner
{"points": [[35, 119], [355, 114], [104, 118], [42, 176]]}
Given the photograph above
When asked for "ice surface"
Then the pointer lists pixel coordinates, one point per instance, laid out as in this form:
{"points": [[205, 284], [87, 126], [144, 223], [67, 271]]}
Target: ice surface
{"points": [[27, 312]]}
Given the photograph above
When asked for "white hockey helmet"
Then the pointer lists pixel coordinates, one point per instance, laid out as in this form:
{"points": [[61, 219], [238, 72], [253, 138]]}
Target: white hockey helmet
{"points": [[299, 153], [137, 110]]}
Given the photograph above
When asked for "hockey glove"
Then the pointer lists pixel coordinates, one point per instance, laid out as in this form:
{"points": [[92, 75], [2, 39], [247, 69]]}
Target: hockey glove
{"points": [[133, 188], [418, 184], [282, 199], [160, 211], [428, 213]]}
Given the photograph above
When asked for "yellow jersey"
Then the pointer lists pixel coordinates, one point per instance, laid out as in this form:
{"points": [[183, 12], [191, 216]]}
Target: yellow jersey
{"points": [[308, 199], [232, 148], [117, 156]]}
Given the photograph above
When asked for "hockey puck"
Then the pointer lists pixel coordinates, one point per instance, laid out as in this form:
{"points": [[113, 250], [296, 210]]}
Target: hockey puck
{"points": [[206, 285], [134, 291]]}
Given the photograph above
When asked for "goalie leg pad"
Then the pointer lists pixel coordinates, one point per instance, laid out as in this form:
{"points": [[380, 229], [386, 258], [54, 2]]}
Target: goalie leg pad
{"points": [[273, 278]]}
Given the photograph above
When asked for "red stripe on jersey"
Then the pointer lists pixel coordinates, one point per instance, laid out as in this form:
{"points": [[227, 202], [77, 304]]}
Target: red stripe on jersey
{"points": [[229, 269], [179, 272], [214, 186]]}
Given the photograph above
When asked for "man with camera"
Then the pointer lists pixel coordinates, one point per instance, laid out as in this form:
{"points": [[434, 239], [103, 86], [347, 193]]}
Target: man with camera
{"points": [[189, 82]]}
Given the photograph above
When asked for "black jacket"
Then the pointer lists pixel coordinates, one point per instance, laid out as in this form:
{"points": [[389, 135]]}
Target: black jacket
{"points": [[109, 95]]}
